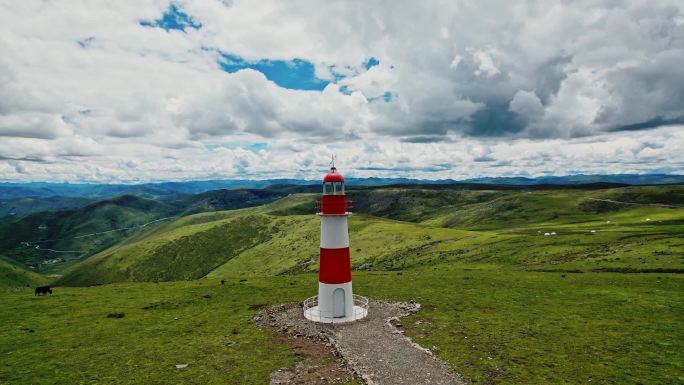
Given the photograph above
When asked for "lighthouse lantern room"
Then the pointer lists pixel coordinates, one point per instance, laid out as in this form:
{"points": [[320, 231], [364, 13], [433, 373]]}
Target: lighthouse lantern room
{"points": [[335, 301]]}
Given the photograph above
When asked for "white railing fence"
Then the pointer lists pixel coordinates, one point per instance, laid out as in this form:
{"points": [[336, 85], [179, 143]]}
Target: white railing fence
{"points": [[312, 312]]}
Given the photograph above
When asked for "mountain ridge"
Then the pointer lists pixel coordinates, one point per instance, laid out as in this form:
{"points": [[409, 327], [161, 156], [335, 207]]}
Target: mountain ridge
{"points": [[170, 188]]}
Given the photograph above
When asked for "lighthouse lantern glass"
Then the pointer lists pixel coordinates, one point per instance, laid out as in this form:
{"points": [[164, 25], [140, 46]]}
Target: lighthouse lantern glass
{"points": [[333, 188]]}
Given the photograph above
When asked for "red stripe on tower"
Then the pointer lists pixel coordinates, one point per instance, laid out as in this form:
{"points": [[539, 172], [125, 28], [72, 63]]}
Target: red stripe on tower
{"points": [[335, 266]]}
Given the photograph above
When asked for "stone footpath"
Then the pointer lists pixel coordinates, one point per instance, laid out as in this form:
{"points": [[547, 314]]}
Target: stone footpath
{"points": [[373, 348]]}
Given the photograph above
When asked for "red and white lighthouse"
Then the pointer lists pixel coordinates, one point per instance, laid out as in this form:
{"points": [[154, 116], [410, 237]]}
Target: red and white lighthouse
{"points": [[335, 301]]}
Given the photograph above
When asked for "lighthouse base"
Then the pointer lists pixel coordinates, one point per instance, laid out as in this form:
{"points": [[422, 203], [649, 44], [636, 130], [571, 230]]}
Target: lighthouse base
{"points": [[312, 312]]}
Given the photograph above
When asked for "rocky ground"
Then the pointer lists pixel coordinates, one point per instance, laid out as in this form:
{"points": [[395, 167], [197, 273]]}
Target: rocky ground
{"points": [[373, 350]]}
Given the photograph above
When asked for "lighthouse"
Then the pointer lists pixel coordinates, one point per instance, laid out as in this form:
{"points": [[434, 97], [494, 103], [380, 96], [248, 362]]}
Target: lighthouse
{"points": [[335, 301]]}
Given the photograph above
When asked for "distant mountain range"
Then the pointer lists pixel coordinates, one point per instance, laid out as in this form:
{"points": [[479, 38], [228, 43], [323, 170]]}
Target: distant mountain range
{"points": [[153, 190], [10, 190], [627, 179]]}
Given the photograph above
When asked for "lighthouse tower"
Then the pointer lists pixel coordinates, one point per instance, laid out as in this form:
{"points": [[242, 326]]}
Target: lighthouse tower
{"points": [[335, 301]]}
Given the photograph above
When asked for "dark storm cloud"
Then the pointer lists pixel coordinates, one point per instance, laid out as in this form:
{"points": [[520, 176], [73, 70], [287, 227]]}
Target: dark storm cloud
{"points": [[648, 95], [653, 123], [549, 77], [495, 119]]}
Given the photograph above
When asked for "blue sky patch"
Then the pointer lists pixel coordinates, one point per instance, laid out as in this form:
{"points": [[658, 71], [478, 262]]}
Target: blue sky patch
{"points": [[339, 75], [387, 97], [296, 74], [370, 63], [173, 18], [254, 147]]}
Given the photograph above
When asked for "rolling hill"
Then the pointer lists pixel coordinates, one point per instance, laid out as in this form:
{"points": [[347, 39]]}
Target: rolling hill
{"points": [[14, 275], [409, 228], [57, 237], [19, 207], [71, 234]]}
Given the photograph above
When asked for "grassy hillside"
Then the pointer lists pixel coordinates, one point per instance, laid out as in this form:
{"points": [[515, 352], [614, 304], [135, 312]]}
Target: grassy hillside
{"points": [[503, 303], [510, 231], [496, 326], [15, 275], [70, 337], [376, 244], [248, 242], [493, 325], [78, 232], [21, 206], [226, 200], [188, 252], [482, 208], [627, 242]]}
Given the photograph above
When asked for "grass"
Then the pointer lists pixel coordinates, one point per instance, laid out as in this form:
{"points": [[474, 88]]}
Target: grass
{"points": [[253, 243], [501, 327], [64, 230], [490, 324], [502, 302], [13, 275], [60, 230], [376, 243], [187, 252], [272, 240], [68, 338], [511, 214]]}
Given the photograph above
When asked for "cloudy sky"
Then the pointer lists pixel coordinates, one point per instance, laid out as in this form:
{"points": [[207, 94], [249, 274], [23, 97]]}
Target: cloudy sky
{"points": [[126, 91]]}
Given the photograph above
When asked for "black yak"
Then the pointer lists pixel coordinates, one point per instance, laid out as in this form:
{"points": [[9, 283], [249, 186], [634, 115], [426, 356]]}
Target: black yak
{"points": [[42, 290]]}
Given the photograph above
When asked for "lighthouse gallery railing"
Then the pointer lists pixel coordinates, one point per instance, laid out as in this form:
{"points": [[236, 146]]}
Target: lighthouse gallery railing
{"points": [[360, 310]]}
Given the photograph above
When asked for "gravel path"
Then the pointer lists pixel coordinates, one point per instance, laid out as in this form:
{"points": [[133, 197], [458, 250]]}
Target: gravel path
{"points": [[373, 348]]}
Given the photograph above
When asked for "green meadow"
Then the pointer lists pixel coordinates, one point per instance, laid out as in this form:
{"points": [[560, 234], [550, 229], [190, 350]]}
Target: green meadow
{"points": [[490, 325], [598, 302]]}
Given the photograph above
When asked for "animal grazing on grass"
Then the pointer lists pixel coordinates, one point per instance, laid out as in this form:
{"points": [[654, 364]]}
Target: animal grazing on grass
{"points": [[42, 290]]}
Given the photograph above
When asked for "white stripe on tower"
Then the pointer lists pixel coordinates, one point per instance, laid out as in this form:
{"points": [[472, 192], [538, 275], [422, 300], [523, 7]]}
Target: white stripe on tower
{"points": [[334, 233]]}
